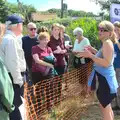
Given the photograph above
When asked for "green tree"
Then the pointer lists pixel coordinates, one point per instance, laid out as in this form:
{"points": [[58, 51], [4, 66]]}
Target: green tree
{"points": [[22, 9], [27, 11], [71, 13], [3, 10], [57, 11], [13, 8], [105, 4]]}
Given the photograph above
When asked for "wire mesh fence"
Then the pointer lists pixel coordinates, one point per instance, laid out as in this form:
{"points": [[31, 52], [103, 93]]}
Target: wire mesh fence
{"points": [[59, 98]]}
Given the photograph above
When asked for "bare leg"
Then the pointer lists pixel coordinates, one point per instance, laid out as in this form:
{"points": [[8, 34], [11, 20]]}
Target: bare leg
{"points": [[107, 112]]}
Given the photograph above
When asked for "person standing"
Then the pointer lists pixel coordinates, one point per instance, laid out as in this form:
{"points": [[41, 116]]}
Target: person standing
{"points": [[6, 88], [58, 48], [78, 62], [68, 45], [80, 43], [10, 52], [43, 68], [28, 42], [65, 37], [103, 68], [43, 59], [116, 101]]}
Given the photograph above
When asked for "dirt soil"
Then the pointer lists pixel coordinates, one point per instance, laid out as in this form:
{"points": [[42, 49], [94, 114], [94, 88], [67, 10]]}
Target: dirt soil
{"points": [[93, 113]]}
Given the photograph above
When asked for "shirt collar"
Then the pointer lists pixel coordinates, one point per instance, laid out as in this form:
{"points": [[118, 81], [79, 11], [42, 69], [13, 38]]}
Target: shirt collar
{"points": [[10, 32]]}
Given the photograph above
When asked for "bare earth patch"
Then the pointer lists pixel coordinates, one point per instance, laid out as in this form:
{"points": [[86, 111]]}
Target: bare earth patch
{"points": [[93, 113]]}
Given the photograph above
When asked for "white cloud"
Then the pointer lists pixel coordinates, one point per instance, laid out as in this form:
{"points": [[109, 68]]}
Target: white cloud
{"points": [[84, 5]]}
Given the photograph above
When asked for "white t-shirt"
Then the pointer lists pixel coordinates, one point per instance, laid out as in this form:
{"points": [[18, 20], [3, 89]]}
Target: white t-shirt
{"points": [[79, 47]]}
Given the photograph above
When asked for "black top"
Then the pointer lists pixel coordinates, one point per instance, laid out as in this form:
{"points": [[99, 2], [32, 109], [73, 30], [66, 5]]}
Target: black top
{"points": [[27, 44]]}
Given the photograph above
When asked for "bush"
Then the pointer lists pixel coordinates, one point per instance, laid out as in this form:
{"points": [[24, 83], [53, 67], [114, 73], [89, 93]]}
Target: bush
{"points": [[48, 24], [89, 27]]}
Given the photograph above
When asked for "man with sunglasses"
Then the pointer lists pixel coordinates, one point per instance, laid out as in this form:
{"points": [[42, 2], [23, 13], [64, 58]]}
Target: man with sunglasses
{"points": [[28, 42]]}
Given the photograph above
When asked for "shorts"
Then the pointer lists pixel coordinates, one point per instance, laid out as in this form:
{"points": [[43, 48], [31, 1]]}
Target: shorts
{"points": [[103, 92]]}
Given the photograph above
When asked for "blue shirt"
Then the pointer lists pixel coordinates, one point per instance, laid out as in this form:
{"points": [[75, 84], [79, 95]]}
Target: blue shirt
{"points": [[117, 56], [107, 72]]}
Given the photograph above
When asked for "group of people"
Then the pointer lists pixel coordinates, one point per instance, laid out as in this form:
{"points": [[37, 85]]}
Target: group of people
{"points": [[41, 55]]}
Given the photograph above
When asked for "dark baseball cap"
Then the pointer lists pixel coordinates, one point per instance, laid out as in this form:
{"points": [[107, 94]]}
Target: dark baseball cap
{"points": [[14, 19]]}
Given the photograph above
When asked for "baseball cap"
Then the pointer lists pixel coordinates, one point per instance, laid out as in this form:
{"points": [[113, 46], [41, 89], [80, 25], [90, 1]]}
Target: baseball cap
{"points": [[14, 19]]}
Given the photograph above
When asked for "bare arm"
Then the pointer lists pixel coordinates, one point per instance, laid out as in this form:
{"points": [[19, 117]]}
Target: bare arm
{"points": [[107, 51], [91, 49], [41, 62], [107, 54]]}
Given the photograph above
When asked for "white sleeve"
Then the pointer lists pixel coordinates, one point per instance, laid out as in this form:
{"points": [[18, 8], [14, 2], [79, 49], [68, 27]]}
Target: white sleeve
{"points": [[86, 42], [12, 61]]}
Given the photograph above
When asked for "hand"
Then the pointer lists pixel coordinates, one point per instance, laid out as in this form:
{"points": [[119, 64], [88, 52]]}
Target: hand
{"points": [[90, 48], [75, 52], [86, 54], [59, 48], [57, 51], [63, 51], [69, 46]]}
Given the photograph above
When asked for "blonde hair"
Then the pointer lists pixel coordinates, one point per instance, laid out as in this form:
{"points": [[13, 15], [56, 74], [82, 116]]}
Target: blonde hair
{"points": [[55, 25], [43, 35], [2, 30], [62, 27], [110, 28]]}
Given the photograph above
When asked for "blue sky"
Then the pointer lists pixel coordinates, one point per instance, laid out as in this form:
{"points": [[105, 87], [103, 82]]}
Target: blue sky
{"points": [[85, 5]]}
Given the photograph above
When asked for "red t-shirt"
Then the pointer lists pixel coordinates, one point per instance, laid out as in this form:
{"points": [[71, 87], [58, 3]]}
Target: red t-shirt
{"points": [[41, 53], [53, 43]]}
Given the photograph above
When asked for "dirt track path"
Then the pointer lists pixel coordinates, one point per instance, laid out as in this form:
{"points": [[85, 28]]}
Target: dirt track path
{"points": [[93, 113]]}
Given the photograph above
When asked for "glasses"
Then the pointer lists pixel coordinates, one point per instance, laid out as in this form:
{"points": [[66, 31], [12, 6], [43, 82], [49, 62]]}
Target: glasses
{"points": [[31, 29], [102, 29]]}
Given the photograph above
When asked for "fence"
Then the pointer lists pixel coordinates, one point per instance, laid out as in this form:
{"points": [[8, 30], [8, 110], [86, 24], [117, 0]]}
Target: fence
{"points": [[60, 98]]}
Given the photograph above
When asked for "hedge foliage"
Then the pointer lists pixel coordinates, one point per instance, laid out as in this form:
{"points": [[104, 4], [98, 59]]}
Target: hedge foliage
{"points": [[48, 24], [89, 27]]}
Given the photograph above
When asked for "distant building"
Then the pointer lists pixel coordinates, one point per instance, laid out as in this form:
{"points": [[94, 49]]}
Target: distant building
{"points": [[36, 17]]}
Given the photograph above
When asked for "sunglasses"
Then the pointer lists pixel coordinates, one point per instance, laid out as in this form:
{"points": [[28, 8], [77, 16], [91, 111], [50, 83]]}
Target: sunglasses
{"points": [[102, 29], [31, 29]]}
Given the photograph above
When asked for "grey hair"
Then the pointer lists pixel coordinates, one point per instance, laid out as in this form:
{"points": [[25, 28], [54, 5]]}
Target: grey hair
{"points": [[9, 25], [78, 30], [31, 24], [116, 24]]}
